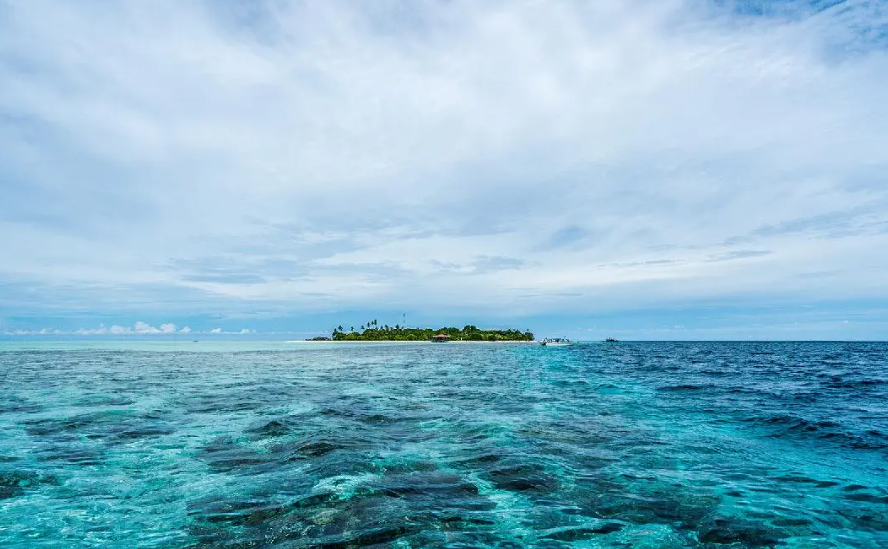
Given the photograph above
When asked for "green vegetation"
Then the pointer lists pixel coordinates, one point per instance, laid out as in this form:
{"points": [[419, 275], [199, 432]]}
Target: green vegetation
{"points": [[372, 331]]}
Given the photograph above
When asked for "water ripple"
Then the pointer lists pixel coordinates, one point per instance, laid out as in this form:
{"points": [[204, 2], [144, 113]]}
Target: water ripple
{"points": [[666, 445]]}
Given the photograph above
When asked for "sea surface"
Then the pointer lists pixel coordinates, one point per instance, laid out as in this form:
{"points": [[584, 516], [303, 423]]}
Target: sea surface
{"points": [[627, 445]]}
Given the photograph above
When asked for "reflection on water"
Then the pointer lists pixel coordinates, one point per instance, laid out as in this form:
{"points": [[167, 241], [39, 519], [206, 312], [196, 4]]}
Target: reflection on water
{"points": [[632, 445]]}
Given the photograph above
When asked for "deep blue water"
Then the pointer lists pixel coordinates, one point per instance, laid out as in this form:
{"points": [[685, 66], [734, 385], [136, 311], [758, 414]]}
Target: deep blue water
{"points": [[641, 445]]}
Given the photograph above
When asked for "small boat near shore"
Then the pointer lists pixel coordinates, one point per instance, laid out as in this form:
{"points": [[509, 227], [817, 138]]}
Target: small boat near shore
{"points": [[555, 342]]}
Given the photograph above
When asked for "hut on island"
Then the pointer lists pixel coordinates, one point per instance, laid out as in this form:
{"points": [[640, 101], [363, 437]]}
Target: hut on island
{"points": [[441, 338]]}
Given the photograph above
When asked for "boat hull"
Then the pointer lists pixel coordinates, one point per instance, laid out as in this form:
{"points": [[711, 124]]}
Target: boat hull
{"points": [[549, 343]]}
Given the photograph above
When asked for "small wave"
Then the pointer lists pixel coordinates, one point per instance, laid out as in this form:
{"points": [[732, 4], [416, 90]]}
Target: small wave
{"points": [[271, 429], [16, 483], [792, 426], [732, 531], [867, 498], [584, 533], [840, 383], [685, 387], [522, 478]]}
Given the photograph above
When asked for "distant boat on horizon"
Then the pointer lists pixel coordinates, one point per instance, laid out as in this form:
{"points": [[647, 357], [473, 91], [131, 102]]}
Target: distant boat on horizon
{"points": [[611, 340]]}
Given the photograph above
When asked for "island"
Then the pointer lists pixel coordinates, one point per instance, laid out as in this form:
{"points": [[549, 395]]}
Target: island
{"points": [[372, 331]]}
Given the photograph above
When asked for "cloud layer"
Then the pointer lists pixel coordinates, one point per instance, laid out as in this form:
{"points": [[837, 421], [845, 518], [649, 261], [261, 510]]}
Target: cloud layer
{"points": [[506, 159], [140, 328]]}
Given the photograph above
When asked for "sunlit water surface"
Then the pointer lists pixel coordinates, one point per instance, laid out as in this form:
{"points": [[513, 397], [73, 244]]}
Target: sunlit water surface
{"points": [[641, 445]]}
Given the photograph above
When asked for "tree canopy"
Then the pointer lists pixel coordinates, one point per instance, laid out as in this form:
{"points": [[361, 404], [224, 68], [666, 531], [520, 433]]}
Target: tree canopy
{"points": [[374, 332]]}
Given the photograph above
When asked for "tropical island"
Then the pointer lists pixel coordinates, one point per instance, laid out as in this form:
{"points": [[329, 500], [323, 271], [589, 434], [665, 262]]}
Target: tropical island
{"points": [[372, 331]]}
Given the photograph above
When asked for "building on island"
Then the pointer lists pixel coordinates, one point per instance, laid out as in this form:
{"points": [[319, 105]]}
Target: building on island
{"points": [[441, 338]]}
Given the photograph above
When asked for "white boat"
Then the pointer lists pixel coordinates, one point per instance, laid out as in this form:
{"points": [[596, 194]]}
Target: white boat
{"points": [[555, 342]]}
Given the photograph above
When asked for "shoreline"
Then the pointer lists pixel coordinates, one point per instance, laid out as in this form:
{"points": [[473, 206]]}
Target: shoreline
{"points": [[460, 341]]}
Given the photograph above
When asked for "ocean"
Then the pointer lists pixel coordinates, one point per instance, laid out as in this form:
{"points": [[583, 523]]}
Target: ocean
{"points": [[626, 445]]}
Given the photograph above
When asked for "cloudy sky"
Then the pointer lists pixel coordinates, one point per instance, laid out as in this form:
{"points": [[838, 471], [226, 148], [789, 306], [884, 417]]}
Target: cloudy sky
{"points": [[641, 168]]}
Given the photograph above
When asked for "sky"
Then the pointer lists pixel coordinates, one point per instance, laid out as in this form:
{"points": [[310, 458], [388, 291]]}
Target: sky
{"points": [[647, 169]]}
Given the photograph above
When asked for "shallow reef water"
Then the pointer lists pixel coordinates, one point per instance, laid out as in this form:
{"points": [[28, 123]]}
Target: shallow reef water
{"points": [[628, 445]]}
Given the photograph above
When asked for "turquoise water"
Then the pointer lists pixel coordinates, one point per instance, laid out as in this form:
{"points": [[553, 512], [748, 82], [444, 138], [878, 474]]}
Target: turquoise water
{"points": [[641, 445]]}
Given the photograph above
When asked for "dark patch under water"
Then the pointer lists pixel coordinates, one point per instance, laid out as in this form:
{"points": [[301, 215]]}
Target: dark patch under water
{"points": [[648, 445]]}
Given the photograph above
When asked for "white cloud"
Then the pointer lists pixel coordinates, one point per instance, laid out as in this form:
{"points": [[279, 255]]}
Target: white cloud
{"points": [[611, 155], [145, 328], [138, 328], [42, 331]]}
